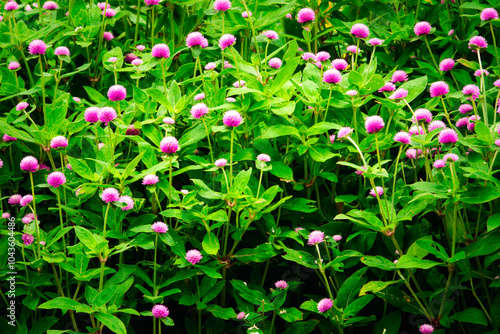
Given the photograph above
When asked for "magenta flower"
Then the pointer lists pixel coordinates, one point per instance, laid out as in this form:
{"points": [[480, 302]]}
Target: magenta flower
{"points": [[472, 122], [332, 139], [436, 125], [448, 136], [399, 76], [168, 120], [402, 137], [193, 256], [160, 51], [210, 66], [91, 114], [324, 305], [439, 163], [15, 199], [109, 12], [412, 153], [227, 64], [422, 115], [332, 76], [439, 88], [21, 106], [388, 87], [129, 58], [426, 328], [5, 215], [446, 65], [497, 142], [374, 124], [414, 130], [480, 72], [380, 191], [56, 179], [110, 195], [107, 35], [226, 40], [26, 200], [344, 132], [196, 38], [288, 16], [132, 131], [306, 15], [169, 145], [222, 5], [275, 62], [400, 94], [160, 311], [232, 118], [37, 47], [497, 83], [198, 97], [198, 110], [337, 237], [339, 64], [375, 41], [13, 65], [239, 84], [464, 121], [27, 239], [220, 162], [489, 14], [112, 59], [263, 157], [281, 284], [322, 56], [308, 55], [422, 28], [159, 227], [246, 14], [59, 141], [450, 157], [50, 5], [360, 30], [128, 201], [117, 93], [150, 179], [271, 34], [472, 90], [315, 237], [152, 2], [11, 5], [353, 49], [477, 43], [465, 108], [62, 51], [106, 115], [241, 316], [29, 164]]}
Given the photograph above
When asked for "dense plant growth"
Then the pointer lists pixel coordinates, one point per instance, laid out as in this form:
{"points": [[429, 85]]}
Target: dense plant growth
{"points": [[263, 167]]}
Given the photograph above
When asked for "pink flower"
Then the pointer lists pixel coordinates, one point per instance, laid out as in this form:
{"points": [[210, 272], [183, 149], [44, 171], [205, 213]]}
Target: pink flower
{"points": [[222, 5], [436, 125], [159, 227], [374, 124], [160, 311], [489, 14], [308, 55], [61, 51], [480, 72], [68, 166], [380, 191], [151, 2], [497, 142], [422, 28], [477, 43], [351, 92], [106, 115], [150, 179], [112, 59], [446, 65], [322, 56], [76, 99], [353, 49], [306, 15], [50, 5], [160, 51], [271, 34], [168, 120], [497, 83], [412, 153], [108, 35], [416, 130], [102, 5], [5, 215], [288, 16], [472, 122], [472, 90], [198, 110], [400, 94], [422, 114], [198, 97], [275, 62], [426, 328], [220, 162], [110, 195], [315, 237], [246, 14], [59, 141], [226, 40], [465, 108], [263, 157], [337, 237], [184, 191], [360, 30], [27, 239], [137, 62], [193, 256], [26, 200], [439, 163], [451, 32], [37, 47], [402, 137], [239, 84], [15, 199], [230, 99], [196, 38], [450, 157], [129, 58], [44, 166], [281, 284], [344, 132], [13, 65], [232, 118], [109, 12], [21, 106], [11, 5], [29, 164], [439, 88], [448, 136], [210, 66], [464, 121], [332, 76], [324, 305], [128, 201], [56, 179], [227, 64], [399, 76], [169, 145], [241, 316], [388, 87], [375, 41], [117, 93], [91, 114], [339, 64], [140, 47]]}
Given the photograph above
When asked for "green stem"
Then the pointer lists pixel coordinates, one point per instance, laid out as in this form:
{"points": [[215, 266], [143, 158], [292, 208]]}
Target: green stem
{"points": [[483, 90], [430, 52], [328, 103], [43, 89], [446, 112], [231, 159], [208, 138], [356, 57], [136, 34], [37, 226], [61, 219], [105, 221], [494, 43], [155, 291], [260, 182]]}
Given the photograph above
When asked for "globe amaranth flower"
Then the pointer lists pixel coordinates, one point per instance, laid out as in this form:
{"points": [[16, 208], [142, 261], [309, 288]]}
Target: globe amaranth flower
{"points": [[416, 130], [308, 55], [226, 40], [152, 2], [102, 5], [351, 92], [5, 215], [439, 163], [193, 256], [132, 131], [112, 60], [150, 179], [107, 35], [227, 64], [11, 5], [446, 64], [422, 114], [344, 132], [160, 51], [106, 115], [436, 125], [439, 88], [399, 76], [388, 87], [59, 141], [137, 62], [56, 179], [117, 93], [426, 328], [159, 227], [198, 110], [375, 41], [450, 157], [448, 136], [497, 142], [478, 43], [422, 28], [288, 16], [324, 305], [220, 162], [472, 122], [210, 66], [109, 12], [332, 76], [239, 84], [168, 120], [130, 57], [29, 164], [61, 51], [399, 94], [91, 114], [472, 90], [110, 195], [263, 157], [26, 200], [488, 14], [50, 5], [360, 30], [275, 62], [22, 105], [402, 137], [374, 124], [44, 166], [315, 237], [337, 237], [140, 47], [222, 5], [129, 202], [196, 38], [27, 239], [246, 14], [230, 99], [15, 199], [241, 316], [160, 311], [271, 34], [353, 49], [169, 145], [232, 118], [339, 64], [37, 47], [380, 191], [322, 56], [464, 121], [465, 108], [412, 153], [281, 284], [332, 139], [306, 15], [13, 65], [480, 72]]}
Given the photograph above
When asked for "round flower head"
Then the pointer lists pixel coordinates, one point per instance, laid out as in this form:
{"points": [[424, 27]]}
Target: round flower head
{"points": [[332, 76], [422, 28], [168, 120], [477, 43], [226, 41], [322, 56], [451, 32], [220, 162], [324, 305], [450, 157], [388, 87], [464, 121], [128, 201], [472, 90], [37, 47], [130, 57], [50, 5], [184, 191], [106, 115], [21, 106], [132, 131], [241, 316], [140, 47], [446, 65], [222, 5], [375, 41], [76, 99], [339, 64], [44, 166], [239, 84], [439, 88], [230, 99], [344, 132], [29, 164], [448, 136], [109, 12], [102, 5], [263, 157], [315, 237], [465, 108], [137, 62], [198, 97], [308, 55], [353, 49], [360, 30], [159, 227], [169, 145], [68, 166], [11, 5], [472, 122], [281, 284], [332, 139], [198, 110], [489, 14], [112, 59], [416, 130], [160, 311], [26, 200], [246, 14], [91, 114], [196, 38], [497, 142], [151, 2], [439, 163], [210, 66], [436, 125], [271, 34], [402, 137], [117, 93], [13, 65], [288, 16], [193, 256], [337, 237], [15, 199], [227, 64], [374, 124], [480, 72], [110, 195], [399, 76], [400, 94], [59, 141], [275, 62], [412, 153], [160, 51], [422, 115], [426, 328], [380, 191], [56, 179], [27, 239], [351, 92], [108, 35], [150, 179], [5, 215], [232, 118], [306, 15]]}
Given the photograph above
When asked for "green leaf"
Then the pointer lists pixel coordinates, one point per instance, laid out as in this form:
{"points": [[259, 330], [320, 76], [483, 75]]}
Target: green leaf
{"points": [[375, 286], [221, 313], [131, 166], [43, 324], [205, 191], [320, 154], [493, 222], [56, 116], [480, 195], [321, 127], [284, 74], [95, 95], [378, 262], [433, 247], [261, 253], [210, 244], [61, 303], [471, 315], [409, 262], [280, 130], [357, 305], [81, 168], [415, 87], [430, 187], [112, 322], [300, 204], [281, 170], [483, 132]]}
